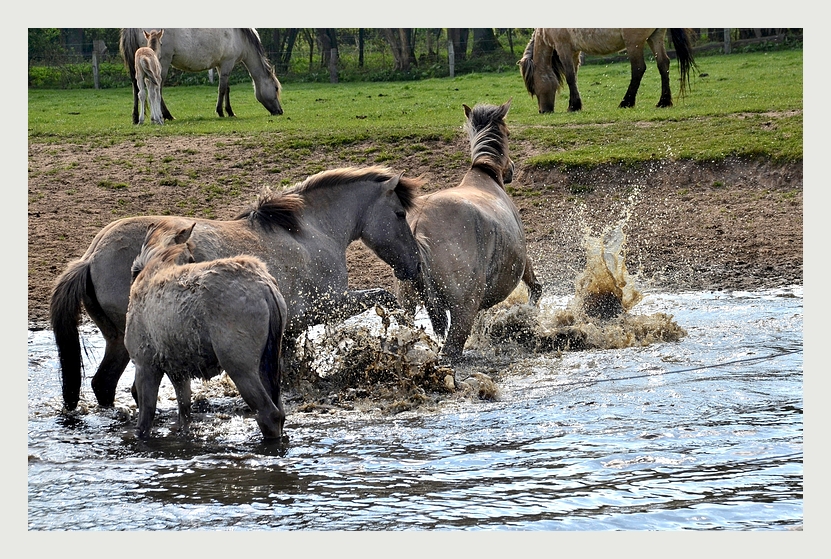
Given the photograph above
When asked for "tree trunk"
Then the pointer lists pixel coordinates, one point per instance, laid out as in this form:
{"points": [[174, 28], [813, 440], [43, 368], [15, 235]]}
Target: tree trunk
{"points": [[484, 41], [283, 40], [400, 41], [328, 40], [459, 37]]}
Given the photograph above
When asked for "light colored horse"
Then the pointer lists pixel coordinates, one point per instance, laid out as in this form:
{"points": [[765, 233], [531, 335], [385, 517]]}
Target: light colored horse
{"points": [[301, 233], [197, 50], [553, 55], [193, 320], [149, 77], [471, 237]]}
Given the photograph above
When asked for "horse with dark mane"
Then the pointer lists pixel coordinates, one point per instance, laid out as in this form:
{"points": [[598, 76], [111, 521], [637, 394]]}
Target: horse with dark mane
{"points": [[196, 50], [553, 56], [471, 237], [301, 233], [193, 320]]}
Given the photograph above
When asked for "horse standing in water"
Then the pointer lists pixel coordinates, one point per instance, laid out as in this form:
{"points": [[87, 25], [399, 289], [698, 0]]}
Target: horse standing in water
{"points": [[196, 50], [193, 320], [301, 233], [471, 237], [149, 77], [553, 55]]}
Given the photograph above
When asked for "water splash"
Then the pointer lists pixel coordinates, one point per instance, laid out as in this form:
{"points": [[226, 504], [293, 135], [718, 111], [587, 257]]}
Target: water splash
{"points": [[598, 315]]}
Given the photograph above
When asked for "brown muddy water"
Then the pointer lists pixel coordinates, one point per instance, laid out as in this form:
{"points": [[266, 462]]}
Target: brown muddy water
{"points": [[680, 411]]}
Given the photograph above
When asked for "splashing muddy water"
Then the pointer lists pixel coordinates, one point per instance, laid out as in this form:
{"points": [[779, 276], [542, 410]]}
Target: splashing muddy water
{"points": [[358, 364], [597, 316]]}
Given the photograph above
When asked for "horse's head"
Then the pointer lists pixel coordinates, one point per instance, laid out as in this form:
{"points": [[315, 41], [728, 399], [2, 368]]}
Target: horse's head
{"points": [[489, 135], [385, 230], [267, 89], [154, 39], [541, 71], [164, 244]]}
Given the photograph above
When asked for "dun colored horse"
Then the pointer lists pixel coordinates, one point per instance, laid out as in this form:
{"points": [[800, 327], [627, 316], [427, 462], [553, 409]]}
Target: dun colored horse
{"points": [[196, 50], [471, 237], [553, 55], [149, 77], [301, 233], [193, 320]]}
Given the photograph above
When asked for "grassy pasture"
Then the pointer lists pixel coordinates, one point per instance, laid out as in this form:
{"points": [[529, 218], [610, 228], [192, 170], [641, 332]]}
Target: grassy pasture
{"points": [[746, 105]]}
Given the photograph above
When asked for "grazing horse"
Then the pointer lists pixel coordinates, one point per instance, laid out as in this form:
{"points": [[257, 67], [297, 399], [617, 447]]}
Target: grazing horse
{"points": [[193, 320], [471, 237], [301, 233], [149, 77], [196, 50], [553, 55]]}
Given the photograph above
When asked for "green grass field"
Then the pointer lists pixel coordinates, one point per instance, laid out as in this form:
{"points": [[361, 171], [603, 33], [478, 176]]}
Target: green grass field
{"points": [[744, 105]]}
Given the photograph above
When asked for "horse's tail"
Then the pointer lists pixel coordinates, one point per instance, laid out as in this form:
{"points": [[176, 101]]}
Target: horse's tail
{"points": [[154, 77], [270, 359], [128, 44], [682, 41], [70, 290]]}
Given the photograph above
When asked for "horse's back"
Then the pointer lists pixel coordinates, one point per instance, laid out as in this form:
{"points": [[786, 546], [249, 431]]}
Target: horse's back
{"points": [[596, 41], [475, 237], [198, 49], [205, 316]]}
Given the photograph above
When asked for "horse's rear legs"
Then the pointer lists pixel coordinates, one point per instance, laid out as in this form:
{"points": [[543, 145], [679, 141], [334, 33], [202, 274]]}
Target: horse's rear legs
{"points": [[270, 414], [530, 280], [109, 371], [147, 384]]}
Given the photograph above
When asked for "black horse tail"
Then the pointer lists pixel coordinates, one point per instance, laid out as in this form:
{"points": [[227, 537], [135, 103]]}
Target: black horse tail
{"points": [[128, 44], [682, 41], [70, 290], [526, 66], [270, 371]]}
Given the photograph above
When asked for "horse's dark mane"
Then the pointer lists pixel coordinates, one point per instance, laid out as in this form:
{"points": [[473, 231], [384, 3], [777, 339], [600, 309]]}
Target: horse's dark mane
{"points": [[283, 208], [527, 66], [252, 37], [407, 188], [161, 253], [488, 138], [275, 210]]}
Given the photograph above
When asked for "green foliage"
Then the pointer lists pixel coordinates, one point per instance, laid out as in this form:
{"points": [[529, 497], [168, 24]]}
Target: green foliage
{"points": [[743, 105]]}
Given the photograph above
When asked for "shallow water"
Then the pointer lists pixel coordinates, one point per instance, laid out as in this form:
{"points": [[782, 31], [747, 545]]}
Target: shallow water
{"points": [[703, 433]]}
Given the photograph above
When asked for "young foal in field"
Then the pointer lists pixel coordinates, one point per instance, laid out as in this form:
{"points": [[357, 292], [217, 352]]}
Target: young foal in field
{"points": [[193, 320], [149, 76]]}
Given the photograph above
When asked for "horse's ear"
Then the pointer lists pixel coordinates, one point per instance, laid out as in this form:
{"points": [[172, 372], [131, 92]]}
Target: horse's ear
{"points": [[184, 234], [507, 105], [391, 184], [146, 34], [467, 110]]}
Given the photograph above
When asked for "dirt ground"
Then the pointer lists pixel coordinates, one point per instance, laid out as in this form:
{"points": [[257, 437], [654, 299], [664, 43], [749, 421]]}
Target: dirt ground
{"points": [[732, 225]]}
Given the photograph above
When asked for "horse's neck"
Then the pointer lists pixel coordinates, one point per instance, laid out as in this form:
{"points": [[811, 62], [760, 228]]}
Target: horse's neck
{"points": [[253, 62], [483, 176], [328, 209]]}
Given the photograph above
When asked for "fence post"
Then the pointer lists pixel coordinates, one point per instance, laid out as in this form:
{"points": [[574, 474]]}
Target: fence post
{"points": [[727, 41], [98, 50], [333, 65], [451, 56]]}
